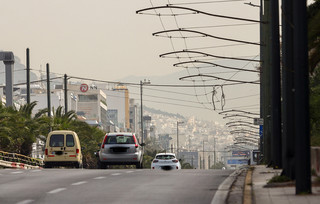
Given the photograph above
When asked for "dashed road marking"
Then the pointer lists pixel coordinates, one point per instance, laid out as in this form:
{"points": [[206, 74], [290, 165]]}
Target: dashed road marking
{"points": [[56, 190], [25, 202], [100, 177], [38, 170], [128, 172], [17, 172], [79, 183], [116, 174]]}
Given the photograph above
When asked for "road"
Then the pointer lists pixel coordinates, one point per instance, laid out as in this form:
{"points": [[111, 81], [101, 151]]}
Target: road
{"points": [[109, 186]]}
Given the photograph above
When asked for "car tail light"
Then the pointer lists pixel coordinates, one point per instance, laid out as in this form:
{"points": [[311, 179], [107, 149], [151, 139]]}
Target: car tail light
{"points": [[177, 167], [155, 161], [77, 151], [46, 151], [153, 167], [104, 141], [175, 161], [135, 141]]}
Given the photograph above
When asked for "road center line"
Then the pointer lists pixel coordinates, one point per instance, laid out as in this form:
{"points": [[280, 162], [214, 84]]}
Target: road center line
{"points": [[79, 183], [128, 172], [56, 190], [100, 177], [25, 202], [116, 174]]}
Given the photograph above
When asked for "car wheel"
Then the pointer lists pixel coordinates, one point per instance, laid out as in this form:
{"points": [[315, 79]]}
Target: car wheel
{"points": [[102, 165], [139, 165]]}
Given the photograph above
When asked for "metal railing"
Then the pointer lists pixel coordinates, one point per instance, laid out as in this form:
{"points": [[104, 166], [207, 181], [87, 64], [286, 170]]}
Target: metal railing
{"points": [[19, 158]]}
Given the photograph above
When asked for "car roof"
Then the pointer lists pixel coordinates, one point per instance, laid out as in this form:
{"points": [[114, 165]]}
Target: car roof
{"points": [[120, 133], [165, 154]]}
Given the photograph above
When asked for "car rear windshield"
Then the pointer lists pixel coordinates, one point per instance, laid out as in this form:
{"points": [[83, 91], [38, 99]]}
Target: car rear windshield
{"points": [[57, 140], [165, 157], [120, 139]]}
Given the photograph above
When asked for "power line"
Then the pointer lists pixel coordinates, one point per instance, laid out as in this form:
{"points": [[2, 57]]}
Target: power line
{"points": [[205, 2]]}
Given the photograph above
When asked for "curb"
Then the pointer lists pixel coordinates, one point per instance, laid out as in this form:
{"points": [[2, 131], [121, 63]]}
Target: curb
{"points": [[220, 197], [247, 193]]}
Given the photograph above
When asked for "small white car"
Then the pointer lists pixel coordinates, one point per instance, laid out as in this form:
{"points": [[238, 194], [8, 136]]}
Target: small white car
{"points": [[165, 161]]}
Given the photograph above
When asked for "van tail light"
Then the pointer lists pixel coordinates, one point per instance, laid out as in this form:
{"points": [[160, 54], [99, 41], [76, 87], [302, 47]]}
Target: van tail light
{"points": [[175, 161], [104, 141], [155, 161], [77, 151], [46, 151]]}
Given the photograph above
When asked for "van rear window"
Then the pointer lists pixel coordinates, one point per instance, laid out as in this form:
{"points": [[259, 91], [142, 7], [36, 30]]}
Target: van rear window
{"points": [[57, 140], [70, 141]]}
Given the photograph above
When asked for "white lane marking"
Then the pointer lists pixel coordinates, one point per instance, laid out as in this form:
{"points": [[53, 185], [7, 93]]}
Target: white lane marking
{"points": [[25, 202], [128, 172], [116, 174], [33, 171], [79, 183], [17, 172], [100, 177], [56, 190]]}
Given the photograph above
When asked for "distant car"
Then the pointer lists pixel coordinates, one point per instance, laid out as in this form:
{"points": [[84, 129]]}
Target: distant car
{"points": [[120, 149], [165, 161]]}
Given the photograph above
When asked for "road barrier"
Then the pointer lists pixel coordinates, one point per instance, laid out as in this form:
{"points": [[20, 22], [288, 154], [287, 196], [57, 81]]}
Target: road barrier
{"points": [[19, 161]]}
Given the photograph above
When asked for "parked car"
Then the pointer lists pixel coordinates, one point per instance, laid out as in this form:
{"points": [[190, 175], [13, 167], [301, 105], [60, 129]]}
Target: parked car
{"points": [[62, 149], [120, 149], [165, 161]]}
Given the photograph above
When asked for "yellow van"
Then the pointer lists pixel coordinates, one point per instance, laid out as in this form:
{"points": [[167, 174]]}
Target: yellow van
{"points": [[62, 149]]}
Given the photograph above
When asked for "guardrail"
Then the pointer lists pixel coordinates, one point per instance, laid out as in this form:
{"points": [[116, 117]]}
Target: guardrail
{"points": [[14, 160]]}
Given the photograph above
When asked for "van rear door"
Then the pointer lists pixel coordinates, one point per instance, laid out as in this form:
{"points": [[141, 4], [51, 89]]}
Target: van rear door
{"points": [[71, 150], [56, 146]]}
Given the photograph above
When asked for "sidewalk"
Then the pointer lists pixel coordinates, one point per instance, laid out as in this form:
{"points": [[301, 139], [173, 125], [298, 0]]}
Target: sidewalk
{"points": [[283, 194]]}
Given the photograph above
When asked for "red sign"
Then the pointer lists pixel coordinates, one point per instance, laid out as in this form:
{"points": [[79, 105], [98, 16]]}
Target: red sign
{"points": [[84, 87]]}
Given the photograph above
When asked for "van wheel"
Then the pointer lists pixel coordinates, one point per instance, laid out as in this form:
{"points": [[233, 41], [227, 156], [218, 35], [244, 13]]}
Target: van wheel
{"points": [[78, 165], [47, 166]]}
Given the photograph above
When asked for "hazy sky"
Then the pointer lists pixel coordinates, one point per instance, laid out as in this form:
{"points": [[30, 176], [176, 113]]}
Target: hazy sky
{"points": [[107, 40]]}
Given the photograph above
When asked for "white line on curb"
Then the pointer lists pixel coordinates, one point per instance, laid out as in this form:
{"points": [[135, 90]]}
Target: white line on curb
{"points": [[79, 183], [56, 190], [25, 202]]}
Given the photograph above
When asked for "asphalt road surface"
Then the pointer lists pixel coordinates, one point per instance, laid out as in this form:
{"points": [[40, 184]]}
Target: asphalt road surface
{"points": [[109, 186]]}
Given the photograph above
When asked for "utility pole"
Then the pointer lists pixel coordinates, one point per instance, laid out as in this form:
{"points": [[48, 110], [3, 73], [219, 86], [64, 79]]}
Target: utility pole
{"points": [[301, 97], [276, 140], [48, 91], [288, 144], [266, 67], [28, 76], [203, 153], [178, 137], [65, 94], [141, 108]]}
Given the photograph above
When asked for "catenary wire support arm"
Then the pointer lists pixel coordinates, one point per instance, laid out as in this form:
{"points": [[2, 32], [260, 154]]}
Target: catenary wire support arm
{"points": [[201, 35], [203, 54], [193, 11]]}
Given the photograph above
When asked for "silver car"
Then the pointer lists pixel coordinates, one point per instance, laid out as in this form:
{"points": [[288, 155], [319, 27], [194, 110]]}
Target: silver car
{"points": [[120, 149]]}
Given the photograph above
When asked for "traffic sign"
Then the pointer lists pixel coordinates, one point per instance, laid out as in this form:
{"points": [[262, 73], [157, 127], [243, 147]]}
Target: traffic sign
{"points": [[84, 87]]}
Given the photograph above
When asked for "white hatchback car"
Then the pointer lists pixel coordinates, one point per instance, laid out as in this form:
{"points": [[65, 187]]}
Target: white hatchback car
{"points": [[165, 161]]}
